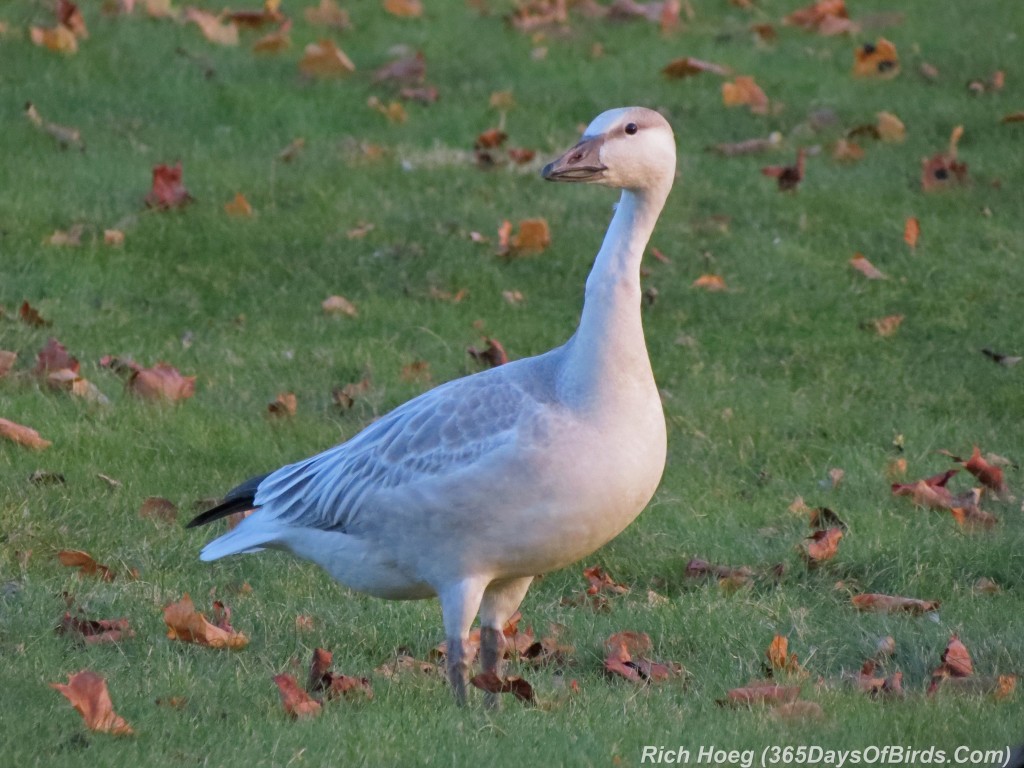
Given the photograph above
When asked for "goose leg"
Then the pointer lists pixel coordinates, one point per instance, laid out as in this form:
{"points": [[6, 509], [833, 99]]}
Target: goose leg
{"points": [[500, 601], [459, 605]]}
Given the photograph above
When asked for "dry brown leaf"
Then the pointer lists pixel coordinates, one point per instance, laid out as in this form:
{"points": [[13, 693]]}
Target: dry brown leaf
{"points": [[517, 686], [788, 177], [405, 9], [186, 624], [296, 701], [325, 59], [492, 355], [22, 435], [911, 231], [1013, 117], [394, 111], [877, 60], [212, 27], [688, 66], [744, 91], [339, 305], [761, 692], [238, 207], [990, 475], [886, 326], [59, 38], [929, 492], [860, 263], [168, 191], [971, 517], [621, 649], [893, 604], [85, 563], [418, 371], [710, 283], [62, 134], [347, 395], [890, 128], [821, 545], [328, 14], [88, 693], [7, 361], [161, 382], [532, 237], [956, 660], [113, 237], [94, 631], [285, 404], [846, 151], [779, 657], [811, 17], [158, 508]]}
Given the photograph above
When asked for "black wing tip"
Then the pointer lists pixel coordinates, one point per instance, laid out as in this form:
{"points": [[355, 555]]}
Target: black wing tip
{"points": [[221, 510]]}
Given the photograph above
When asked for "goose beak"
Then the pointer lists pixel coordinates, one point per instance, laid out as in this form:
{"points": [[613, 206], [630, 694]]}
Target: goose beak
{"points": [[581, 163]]}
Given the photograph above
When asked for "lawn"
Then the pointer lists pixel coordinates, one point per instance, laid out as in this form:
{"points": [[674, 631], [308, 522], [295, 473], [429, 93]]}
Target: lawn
{"points": [[768, 386]]}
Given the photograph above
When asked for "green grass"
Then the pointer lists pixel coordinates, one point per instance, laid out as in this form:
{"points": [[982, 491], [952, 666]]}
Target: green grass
{"points": [[781, 385]]}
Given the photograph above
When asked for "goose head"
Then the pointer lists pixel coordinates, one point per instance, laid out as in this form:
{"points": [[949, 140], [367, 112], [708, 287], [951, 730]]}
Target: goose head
{"points": [[629, 148]]}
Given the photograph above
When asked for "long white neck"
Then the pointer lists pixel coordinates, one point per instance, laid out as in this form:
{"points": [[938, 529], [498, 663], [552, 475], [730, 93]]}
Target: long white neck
{"points": [[608, 349]]}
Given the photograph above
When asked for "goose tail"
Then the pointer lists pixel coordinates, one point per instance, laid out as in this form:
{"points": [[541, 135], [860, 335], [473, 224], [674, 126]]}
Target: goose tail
{"points": [[242, 540]]}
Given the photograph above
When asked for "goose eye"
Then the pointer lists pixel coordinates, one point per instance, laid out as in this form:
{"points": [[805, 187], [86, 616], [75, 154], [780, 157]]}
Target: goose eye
{"points": [[631, 128]]}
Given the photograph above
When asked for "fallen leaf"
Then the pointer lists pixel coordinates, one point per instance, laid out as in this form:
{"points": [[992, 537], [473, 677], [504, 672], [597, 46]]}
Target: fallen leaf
{"points": [[943, 170], [22, 435], [532, 237], [324, 59], [999, 687], [798, 712], [956, 660], [972, 517], [418, 371], [394, 111], [811, 17], [599, 581], [168, 191], [94, 631], [405, 9], [238, 207], [328, 14], [7, 361], [161, 382], [893, 604], [760, 692], [59, 39], [846, 151], [788, 176], [621, 648], [877, 60], [339, 305], [158, 508], [492, 355], [688, 66], [54, 357], [890, 128], [886, 326], [710, 283], [186, 624], [929, 492], [407, 70], [405, 664], [212, 27], [269, 14], [88, 693], [292, 151], [1013, 117], [986, 586], [347, 395], [285, 404], [113, 237], [85, 563], [821, 545], [30, 316], [744, 91], [322, 681], [296, 701], [779, 657], [517, 686], [988, 474], [700, 568], [860, 263], [911, 231]]}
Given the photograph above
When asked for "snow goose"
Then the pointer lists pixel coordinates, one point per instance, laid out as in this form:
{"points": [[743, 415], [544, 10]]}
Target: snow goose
{"points": [[473, 488]]}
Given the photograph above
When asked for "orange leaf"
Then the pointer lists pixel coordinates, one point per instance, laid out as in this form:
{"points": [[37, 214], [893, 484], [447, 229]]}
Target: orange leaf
{"points": [[328, 14], [285, 404], [689, 66], [929, 492], [517, 686], [59, 39], [761, 692], [406, 9], [911, 231], [892, 604], [167, 191], [988, 474], [533, 236], [878, 60], [711, 283], [956, 660], [22, 435], [822, 545], [325, 59], [743, 91], [296, 701], [186, 624], [779, 656], [972, 517], [865, 267], [888, 325], [87, 566], [212, 28], [890, 128], [162, 382], [238, 207], [88, 693], [814, 15]]}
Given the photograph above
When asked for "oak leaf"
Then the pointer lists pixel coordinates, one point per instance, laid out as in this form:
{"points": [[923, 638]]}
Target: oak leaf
{"points": [[296, 701], [88, 693], [186, 624], [324, 59], [893, 604], [167, 190]]}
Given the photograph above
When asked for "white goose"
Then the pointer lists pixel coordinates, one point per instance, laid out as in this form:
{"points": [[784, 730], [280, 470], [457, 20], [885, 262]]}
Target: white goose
{"points": [[471, 489]]}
